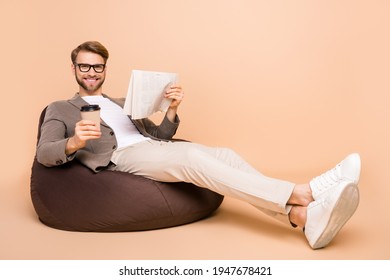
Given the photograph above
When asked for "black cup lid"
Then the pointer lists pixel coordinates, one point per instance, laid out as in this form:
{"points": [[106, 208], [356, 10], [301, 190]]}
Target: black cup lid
{"points": [[90, 108]]}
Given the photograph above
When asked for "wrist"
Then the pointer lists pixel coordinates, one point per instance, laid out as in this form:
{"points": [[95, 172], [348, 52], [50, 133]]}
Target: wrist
{"points": [[171, 114], [71, 146]]}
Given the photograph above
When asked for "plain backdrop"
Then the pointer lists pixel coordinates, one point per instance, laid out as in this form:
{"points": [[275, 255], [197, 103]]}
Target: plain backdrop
{"points": [[293, 86]]}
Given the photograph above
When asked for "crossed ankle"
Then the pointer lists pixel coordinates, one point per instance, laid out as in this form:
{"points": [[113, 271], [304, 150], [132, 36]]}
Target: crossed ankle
{"points": [[301, 195], [298, 215]]}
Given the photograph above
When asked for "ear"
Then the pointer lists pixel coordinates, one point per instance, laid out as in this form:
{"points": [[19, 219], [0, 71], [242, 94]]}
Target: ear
{"points": [[73, 69]]}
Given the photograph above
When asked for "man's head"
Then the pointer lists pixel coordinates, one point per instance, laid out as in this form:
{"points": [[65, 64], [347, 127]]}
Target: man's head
{"points": [[89, 66]]}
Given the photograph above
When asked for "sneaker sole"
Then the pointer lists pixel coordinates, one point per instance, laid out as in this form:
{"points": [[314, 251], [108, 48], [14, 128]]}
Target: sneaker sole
{"points": [[343, 210]]}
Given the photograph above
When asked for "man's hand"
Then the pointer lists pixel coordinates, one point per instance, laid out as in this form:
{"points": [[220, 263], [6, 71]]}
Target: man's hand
{"points": [[85, 130], [176, 93]]}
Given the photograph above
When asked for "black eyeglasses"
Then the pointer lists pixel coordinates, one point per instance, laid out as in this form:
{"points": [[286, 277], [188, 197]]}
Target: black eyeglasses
{"points": [[99, 68]]}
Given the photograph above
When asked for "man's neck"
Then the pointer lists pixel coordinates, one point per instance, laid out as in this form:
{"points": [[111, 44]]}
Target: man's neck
{"points": [[87, 93]]}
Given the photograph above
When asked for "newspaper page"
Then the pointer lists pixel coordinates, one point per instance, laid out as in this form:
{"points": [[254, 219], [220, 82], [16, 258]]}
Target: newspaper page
{"points": [[145, 95]]}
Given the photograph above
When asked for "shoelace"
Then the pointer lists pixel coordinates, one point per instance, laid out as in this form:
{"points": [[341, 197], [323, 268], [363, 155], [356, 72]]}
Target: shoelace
{"points": [[327, 179]]}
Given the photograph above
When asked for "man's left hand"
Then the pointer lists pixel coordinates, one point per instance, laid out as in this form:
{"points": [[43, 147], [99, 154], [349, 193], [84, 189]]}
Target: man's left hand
{"points": [[176, 93]]}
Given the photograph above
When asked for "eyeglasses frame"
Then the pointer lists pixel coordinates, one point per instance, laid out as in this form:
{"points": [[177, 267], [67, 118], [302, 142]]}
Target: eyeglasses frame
{"points": [[79, 65]]}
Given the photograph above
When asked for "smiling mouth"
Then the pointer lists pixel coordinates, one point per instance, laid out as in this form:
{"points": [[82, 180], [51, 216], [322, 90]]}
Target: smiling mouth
{"points": [[91, 79]]}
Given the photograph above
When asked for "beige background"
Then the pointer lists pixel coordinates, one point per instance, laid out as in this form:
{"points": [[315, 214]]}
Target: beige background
{"points": [[293, 86]]}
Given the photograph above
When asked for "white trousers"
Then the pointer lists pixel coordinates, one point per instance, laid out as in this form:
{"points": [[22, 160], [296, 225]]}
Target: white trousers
{"points": [[218, 169]]}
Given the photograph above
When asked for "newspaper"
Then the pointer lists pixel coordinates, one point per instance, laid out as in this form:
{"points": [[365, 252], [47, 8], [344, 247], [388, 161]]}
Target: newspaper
{"points": [[145, 95]]}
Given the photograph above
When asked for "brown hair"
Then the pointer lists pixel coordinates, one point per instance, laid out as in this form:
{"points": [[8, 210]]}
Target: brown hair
{"points": [[90, 46]]}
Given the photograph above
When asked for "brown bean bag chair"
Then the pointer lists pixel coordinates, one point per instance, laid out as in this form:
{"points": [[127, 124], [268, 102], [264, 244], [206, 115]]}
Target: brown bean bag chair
{"points": [[72, 197]]}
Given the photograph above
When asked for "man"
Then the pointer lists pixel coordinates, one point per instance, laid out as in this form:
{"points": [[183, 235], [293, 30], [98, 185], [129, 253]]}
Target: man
{"points": [[320, 207]]}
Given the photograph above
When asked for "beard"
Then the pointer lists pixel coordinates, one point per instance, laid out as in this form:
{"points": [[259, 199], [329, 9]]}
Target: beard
{"points": [[90, 88]]}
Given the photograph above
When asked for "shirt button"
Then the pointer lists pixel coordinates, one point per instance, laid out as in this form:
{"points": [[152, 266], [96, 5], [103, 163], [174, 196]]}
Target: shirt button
{"points": [[111, 133], [114, 147]]}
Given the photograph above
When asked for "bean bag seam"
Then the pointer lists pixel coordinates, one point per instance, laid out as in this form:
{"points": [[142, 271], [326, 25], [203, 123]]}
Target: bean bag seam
{"points": [[165, 199]]}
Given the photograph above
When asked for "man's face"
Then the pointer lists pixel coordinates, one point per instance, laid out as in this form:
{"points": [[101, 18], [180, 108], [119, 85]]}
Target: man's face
{"points": [[90, 81]]}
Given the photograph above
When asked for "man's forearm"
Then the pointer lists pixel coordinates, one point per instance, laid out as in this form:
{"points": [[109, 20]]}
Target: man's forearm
{"points": [[70, 147], [171, 114]]}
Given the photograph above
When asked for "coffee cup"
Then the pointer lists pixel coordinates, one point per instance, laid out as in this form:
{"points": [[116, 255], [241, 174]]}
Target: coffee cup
{"points": [[91, 112]]}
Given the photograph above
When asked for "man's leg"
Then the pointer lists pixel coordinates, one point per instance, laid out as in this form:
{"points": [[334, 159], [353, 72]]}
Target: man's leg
{"points": [[321, 207], [218, 169]]}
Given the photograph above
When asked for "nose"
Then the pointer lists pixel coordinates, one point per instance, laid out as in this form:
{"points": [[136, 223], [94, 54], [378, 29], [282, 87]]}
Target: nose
{"points": [[91, 72]]}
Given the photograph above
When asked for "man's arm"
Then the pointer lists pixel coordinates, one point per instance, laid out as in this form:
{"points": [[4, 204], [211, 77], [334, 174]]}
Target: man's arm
{"points": [[85, 130], [61, 138], [176, 93], [53, 139]]}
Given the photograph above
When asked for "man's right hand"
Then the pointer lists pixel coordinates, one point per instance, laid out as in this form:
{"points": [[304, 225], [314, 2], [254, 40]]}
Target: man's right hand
{"points": [[85, 130]]}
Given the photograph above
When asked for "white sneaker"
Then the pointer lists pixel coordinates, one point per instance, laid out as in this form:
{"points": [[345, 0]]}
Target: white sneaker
{"points": [[327, 215], [336, 198], [347, 170]]}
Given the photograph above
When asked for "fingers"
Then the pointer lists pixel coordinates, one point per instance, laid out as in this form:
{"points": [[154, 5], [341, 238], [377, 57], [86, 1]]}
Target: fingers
{"points": [[87, 130], [87, 125], [175, 92]]}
